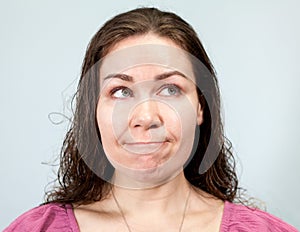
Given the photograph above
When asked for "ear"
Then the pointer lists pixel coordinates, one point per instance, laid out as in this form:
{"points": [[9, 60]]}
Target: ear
{"points": [[199, 115]]}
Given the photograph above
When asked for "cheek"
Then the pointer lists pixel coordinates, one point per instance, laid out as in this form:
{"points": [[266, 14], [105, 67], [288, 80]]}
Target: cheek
{"points": [[173, 124], [104, 121], [105, 125], [181, 120]]}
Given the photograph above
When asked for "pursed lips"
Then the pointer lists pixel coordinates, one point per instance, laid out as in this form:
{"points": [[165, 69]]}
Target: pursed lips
{"points": [[143, 147]]}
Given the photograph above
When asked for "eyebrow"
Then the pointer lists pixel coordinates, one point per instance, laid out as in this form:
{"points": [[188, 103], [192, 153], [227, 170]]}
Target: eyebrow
{"points": [[129, 78]]}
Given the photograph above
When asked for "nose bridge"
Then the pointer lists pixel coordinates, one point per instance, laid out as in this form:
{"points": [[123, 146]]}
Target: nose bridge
{"points": [[146, 114]]}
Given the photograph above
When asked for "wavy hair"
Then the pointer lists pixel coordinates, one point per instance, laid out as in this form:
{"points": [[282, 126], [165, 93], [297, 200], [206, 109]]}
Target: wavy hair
{"points": [[77, 183]]}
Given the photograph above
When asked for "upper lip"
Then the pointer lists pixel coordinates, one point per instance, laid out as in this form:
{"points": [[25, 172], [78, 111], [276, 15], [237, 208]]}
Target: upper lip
{"points": [[144, 142]]}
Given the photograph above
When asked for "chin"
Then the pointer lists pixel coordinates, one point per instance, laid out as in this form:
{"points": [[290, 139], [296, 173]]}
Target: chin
{"points": [[137, 178]]}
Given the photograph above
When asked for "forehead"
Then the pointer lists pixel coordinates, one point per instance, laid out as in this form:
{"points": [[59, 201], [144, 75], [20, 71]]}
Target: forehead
{"points": [[149, 38], [147, 58]]}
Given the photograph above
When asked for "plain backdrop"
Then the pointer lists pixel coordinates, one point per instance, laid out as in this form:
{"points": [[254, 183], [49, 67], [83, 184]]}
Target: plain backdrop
{"points": [[253, 45]]}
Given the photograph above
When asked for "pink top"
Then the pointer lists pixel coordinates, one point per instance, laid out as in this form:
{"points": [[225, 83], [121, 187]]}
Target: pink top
{"points": [[57, 218]]}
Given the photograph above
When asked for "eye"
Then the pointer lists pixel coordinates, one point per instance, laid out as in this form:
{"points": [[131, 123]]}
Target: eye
{"points": [[170, 90], [121, 92]]}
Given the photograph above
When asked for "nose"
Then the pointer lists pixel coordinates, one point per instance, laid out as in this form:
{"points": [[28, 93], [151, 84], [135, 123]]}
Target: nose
{"points": [[146, 115]]}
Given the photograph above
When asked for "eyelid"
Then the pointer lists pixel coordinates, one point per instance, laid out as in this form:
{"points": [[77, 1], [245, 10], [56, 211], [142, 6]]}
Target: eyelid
{"points": [[114, 90], [163, 87], [168, 85]]}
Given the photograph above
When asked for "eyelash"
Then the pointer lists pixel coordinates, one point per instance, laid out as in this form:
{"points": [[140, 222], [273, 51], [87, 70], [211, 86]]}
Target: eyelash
{"points": [[114, 90], [161, 89], [174, 86]]}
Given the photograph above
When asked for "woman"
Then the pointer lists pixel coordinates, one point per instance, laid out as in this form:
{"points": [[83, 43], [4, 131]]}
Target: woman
{"points": [[146, 150]]}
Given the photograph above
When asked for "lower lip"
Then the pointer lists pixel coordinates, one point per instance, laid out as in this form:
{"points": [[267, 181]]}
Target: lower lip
{"points": [[143, 148]]}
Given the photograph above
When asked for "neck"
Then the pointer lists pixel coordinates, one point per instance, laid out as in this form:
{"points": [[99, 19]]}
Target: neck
{"points": [[168, 197]]}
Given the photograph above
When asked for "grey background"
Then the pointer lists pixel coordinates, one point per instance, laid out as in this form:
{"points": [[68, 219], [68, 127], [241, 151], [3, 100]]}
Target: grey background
{"points": [[254, 46]]}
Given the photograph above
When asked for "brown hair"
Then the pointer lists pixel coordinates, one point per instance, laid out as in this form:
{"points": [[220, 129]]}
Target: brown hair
{"points": [[77, 182]]}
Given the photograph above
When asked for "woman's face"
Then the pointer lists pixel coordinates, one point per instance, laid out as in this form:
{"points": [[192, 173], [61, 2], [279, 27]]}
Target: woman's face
{"points": [[147, 115]]}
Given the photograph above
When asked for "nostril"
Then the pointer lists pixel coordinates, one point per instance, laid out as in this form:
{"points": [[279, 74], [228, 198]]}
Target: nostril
{"points": [[147, 126], [146, 115], [153, 126]]}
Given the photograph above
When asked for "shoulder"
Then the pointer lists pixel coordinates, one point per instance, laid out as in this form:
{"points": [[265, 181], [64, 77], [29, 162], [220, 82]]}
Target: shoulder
{"points": [[243, 219], [48, 217]]}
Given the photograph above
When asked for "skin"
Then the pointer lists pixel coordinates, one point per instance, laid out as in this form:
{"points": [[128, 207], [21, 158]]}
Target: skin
{"points": [[142, 141]]}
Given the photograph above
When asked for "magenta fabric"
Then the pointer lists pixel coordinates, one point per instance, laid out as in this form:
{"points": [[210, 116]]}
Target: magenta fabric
{"points": [[240, 218], [60, 218], [50, 217]]}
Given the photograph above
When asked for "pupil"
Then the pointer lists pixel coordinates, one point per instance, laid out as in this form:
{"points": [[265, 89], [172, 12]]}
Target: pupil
{"points": [[172, 91], [126, 92]]}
